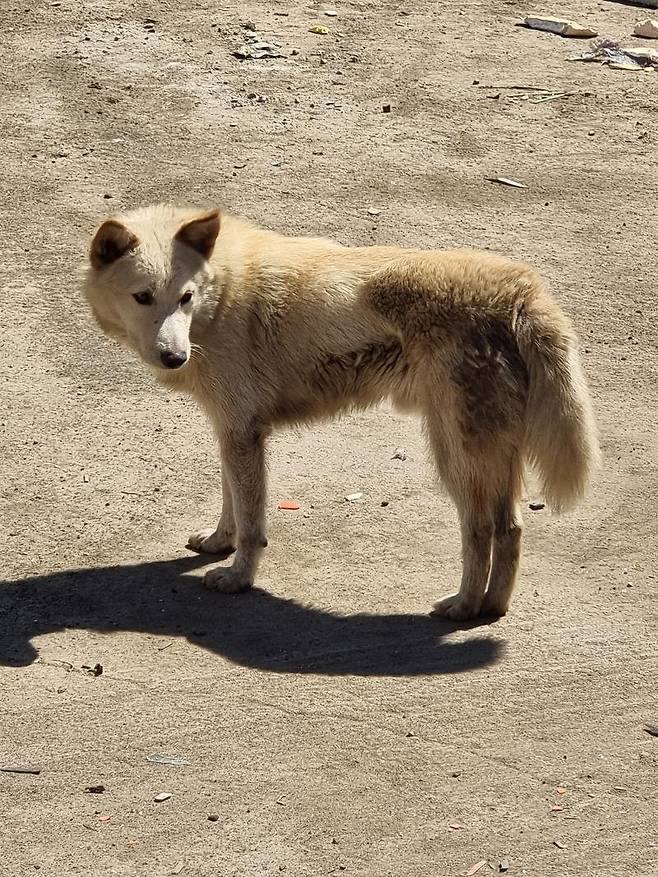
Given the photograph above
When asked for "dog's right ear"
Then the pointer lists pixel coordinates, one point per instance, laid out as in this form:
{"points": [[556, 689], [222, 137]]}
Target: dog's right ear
{"points": [[111, 241]]}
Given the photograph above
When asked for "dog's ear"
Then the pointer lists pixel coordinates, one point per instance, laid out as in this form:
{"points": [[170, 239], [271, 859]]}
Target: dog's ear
{"points": [[111, 241], [200, 233]]}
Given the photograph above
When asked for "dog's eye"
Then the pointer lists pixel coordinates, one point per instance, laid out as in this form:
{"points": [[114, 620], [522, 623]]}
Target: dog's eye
{"points": [[143, 298], [185, 298]]}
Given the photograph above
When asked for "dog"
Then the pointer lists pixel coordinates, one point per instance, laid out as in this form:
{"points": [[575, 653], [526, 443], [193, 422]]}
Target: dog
{"points": [[266, 330]]}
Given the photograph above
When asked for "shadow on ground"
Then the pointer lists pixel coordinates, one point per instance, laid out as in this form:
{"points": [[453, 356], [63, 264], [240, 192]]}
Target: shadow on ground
{"points": [[256, 629]]}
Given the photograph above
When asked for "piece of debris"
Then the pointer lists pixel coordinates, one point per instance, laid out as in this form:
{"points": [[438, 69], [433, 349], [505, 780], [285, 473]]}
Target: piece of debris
{"points": [[503, 865], [386, 108], [259, 50], [619, 57], [213, 817], [651, 729], [20, 768], [255, 48], [559, 845], [178, 868], [174, 760], [104, 817], [561, 790], [384, 503], [319, 29], [162, 796], [455, 826], [647, 29], [289, 505], [554, 95], [96, 670], [536, 506], [374, 211], [556, 808], [475, 868], [533, 94], [399, 454], [353, 497], [563, 27], [506, 181], [95, 790], [331, 13]]}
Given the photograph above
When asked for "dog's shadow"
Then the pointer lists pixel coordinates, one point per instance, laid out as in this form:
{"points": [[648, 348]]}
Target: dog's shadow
{"points": [[256, 629]]}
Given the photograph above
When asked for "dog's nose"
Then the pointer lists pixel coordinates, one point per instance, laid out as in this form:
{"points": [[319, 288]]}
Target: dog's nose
{"points": [[173, 360]]}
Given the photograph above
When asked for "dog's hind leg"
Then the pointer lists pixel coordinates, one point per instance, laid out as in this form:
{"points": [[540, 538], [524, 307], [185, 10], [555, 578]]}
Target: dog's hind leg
{"points": [[220, 541], [476, 532], [466, 480], [508, 526]]}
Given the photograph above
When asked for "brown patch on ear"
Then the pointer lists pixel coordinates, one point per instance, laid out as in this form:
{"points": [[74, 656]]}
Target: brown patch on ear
{"points": [[200, 233], [111, 241]]}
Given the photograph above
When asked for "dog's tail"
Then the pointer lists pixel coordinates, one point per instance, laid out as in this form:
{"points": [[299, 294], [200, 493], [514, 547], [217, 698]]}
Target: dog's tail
{"points": [[560, 432]]}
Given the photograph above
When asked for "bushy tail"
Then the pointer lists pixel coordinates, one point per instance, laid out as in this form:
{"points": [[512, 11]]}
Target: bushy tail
{"points": [[560, 439]]}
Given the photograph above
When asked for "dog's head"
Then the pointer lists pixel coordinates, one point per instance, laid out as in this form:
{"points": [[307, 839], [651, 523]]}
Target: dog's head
{"points": [[147, 278]]}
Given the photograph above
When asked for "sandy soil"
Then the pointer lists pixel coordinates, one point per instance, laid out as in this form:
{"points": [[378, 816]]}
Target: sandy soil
{"points": [[331, 726]]}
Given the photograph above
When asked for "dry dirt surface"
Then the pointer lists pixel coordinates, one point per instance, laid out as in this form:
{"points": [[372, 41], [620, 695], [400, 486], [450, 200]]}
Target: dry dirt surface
{"points": [[330, 725]]}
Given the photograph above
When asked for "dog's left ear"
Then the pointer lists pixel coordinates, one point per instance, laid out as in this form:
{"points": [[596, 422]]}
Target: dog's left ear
{"points": [[200, 233]]}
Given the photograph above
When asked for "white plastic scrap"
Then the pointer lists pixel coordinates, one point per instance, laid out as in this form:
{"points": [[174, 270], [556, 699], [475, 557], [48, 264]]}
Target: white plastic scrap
{"points": [[648, 29], [561, 26], [618, 57], [506, 181]]}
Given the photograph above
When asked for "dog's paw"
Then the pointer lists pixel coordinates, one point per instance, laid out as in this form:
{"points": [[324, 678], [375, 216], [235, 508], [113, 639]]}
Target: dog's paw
{"points": [[226, 580], [492, 606], [455, 608], [211, 542]]}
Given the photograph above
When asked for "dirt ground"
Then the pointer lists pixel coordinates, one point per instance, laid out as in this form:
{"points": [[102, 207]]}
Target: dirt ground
{"points": [[330, 725]]}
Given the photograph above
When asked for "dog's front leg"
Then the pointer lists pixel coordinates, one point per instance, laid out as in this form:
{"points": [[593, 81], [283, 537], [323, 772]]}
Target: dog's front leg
{"points": [[222, 540], [243, 453]]}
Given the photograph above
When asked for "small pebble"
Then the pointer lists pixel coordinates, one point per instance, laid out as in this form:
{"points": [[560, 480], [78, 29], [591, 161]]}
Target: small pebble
{"points": [[537, 506], [213, 817], [162, 796]]}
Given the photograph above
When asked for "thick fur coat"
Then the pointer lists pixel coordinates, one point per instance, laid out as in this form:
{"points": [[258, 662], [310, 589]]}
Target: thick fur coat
{"points": [[266, 330]]}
